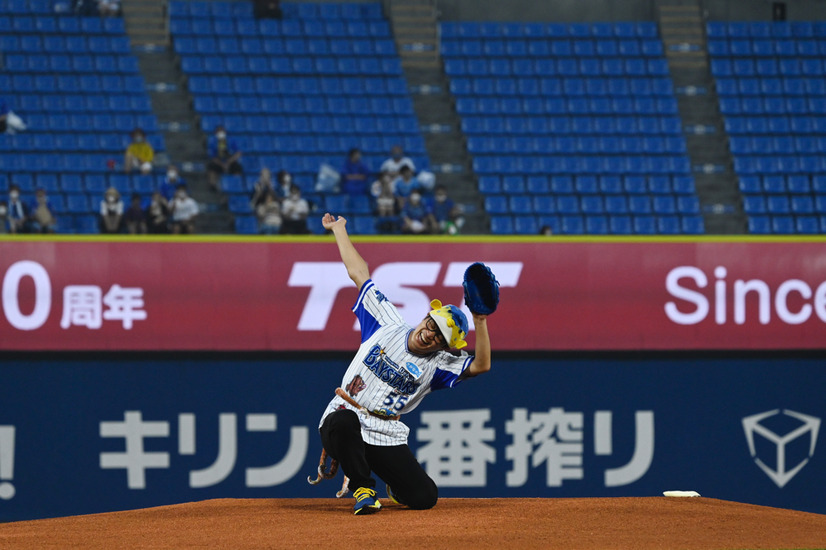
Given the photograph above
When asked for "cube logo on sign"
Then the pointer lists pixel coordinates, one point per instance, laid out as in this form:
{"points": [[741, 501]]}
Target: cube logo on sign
{"points": [[804, 426]]}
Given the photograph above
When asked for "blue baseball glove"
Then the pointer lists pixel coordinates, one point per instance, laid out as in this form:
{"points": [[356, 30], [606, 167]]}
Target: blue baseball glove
{"points": [[481, 289]]}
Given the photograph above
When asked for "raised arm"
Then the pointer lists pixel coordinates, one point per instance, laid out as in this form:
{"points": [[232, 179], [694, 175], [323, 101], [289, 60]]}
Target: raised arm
{"points": [[482, 360], [355, 264]]}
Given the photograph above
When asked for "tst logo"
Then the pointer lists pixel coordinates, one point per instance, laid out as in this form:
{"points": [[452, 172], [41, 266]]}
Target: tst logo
{"points": [[397, 280], [799, 426]]}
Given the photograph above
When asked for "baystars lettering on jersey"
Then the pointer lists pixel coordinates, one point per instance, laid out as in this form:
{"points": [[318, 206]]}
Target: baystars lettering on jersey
{"points": [[397, 279], [389, 372]]}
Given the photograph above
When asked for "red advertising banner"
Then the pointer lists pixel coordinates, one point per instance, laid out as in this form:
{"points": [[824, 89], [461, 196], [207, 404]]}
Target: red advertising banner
{"points": [[295, 295]]}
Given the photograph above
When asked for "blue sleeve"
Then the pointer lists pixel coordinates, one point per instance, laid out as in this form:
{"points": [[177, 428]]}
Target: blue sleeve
{"points": [[447, 379], [369, 324]]}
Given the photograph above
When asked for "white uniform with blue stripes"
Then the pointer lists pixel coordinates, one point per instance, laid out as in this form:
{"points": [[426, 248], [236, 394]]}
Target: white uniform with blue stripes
{"points": [[386, 378]]}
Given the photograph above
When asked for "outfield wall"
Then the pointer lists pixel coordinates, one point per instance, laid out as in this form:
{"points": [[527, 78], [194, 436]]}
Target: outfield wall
{"points": [[113, 432], [146, 372]]}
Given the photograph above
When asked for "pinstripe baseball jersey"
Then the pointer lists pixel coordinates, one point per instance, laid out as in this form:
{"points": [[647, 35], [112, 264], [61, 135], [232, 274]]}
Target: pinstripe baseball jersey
{"points": [[384, 376]]}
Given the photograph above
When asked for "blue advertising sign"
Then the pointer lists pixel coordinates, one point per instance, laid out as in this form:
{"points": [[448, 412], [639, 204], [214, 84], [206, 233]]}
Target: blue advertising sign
{"points": [[83, 435]]}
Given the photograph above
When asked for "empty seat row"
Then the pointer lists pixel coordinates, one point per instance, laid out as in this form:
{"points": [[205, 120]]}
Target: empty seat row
{"points": [[795, 184], [60, 24], [120, 103], [587, 185], [305, 65], [569, 106], [792, 66], [71, 83], [779, 124], [541, 47], [543, 125], [784, 204], [772, 105], [55, 43], [89, 184], [314, 124], [577, 145], [489, 29], [771, 164], [299, 85], [317, 105], [208, 46], [303, 10], [258, 143], [377, 28], [765, 29], [69, 142], [569, 86], [591, 204], [766, 48], [786, 86], [784, 224], [526, 66], [572, 164], [597, 224], [784, 144], [58, 162], [59, 63], [85, 122]]}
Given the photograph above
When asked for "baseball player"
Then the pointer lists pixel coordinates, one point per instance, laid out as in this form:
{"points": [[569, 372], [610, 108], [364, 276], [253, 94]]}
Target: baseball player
{"points": [[395, 366]]}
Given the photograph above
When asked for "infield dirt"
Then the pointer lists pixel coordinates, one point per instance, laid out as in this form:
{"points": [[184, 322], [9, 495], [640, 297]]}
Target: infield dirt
{"points": [[587, 523]]}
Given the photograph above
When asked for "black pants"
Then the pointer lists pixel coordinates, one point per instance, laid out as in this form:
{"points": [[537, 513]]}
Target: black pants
{"points": [[396, 465]]}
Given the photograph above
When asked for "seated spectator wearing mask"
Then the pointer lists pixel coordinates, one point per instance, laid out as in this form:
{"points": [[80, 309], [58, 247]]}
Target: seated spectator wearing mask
{"points": [[224, 157], [171, 181], [140, 154], [16, 211]]}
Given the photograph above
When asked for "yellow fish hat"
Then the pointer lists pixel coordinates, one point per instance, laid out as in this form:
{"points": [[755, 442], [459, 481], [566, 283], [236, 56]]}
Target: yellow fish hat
{"points": [[452, 323]]}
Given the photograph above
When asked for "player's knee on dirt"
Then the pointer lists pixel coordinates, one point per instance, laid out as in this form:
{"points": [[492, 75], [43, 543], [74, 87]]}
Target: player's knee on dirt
{"points": [[424, 498]]}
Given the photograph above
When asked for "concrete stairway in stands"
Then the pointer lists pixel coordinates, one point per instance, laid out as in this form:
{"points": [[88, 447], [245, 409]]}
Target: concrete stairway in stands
{"points": [[682, 28], [172, 105], [416, 31]]}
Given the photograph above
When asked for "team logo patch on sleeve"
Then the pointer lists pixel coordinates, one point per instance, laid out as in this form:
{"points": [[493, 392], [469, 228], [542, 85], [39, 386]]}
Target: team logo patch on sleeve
{"points": [[355, 386]]}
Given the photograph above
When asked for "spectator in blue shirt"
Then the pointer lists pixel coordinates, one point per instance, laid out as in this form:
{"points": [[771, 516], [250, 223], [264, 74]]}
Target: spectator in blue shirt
{"points": [[170, 182], [416, 216], [355, 174], [405, 184], [224, 157], [447, 214]]}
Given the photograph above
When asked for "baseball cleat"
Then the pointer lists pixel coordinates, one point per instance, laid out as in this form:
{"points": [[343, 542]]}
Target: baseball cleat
{"points": [[366, 501], [392, 496]]}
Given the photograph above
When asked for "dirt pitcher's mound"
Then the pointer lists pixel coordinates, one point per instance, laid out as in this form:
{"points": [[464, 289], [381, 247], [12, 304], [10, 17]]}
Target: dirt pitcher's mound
{"points": [[587, 523]]}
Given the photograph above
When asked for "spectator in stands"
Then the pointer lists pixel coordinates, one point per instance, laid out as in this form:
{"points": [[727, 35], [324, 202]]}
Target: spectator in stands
{"points": [[17, 212], [546, 230], [224, 157], [111, 212], [354, 174], [41, 217], [269, 215], [262, 187], [10, 123], [139, 154], [405, 184], [171, 181], [184, 210], [384, 197], [86, 7], [135, 217], [447, 214], [417, 218], [4, 216], [109, 8], [157, 214], [396, 161], [285, 183], [294, 210], [4, 113]]}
